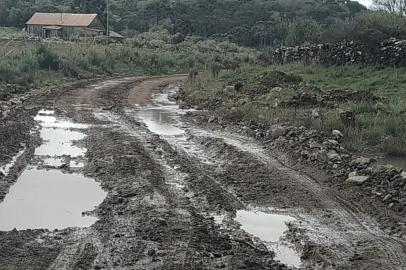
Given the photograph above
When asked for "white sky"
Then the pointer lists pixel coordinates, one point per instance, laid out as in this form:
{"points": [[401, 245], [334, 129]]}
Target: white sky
{"points": [[366, 3]]}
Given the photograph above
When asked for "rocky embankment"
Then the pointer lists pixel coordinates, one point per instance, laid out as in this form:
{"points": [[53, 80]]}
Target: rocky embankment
{"points": [[323, 151], [326, 152], [391, 52]]}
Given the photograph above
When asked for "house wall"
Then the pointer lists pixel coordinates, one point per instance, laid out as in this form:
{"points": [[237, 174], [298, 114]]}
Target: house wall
{"points": [[68, 32], [35, 29]]}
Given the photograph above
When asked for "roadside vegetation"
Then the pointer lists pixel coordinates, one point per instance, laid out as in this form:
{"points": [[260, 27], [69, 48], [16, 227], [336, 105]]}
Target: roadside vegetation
{"points": [[367, 104], [36, 63]]}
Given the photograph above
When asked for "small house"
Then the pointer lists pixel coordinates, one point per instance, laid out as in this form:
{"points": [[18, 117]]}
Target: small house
{"points": [[66, 25]]}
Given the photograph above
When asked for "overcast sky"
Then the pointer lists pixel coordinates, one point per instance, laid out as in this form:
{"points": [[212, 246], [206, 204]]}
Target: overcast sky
{"points": [[366, 3]]}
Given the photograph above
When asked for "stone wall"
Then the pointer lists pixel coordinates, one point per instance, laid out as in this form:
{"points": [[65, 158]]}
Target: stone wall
{"points": [[391, 52]]}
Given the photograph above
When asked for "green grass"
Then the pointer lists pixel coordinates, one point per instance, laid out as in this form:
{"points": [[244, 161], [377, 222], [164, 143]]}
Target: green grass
{"points": [[11, 32], [35, 63], [379, 125], [384, 81]]}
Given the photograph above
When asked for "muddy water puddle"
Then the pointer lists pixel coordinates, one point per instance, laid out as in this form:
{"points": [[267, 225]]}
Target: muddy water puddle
{"points": [[160, 122], [51, 199], [162, 117], [269, 229]]}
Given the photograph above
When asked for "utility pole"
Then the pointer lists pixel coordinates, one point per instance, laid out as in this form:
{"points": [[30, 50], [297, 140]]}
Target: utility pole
{"points": [[108, 26]]}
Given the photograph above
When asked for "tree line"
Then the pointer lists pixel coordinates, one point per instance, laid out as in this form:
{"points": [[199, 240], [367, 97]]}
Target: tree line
{"points": [[253, 23]]}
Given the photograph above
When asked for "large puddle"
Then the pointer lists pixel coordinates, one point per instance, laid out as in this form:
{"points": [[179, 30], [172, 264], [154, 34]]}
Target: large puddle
{"points": [[51, 199], [159, 121], [270, 228], [161, 117], [265, 228]]}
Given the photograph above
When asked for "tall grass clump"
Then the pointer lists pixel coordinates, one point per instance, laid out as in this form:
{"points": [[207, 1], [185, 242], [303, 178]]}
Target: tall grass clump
{"points": [[47, 59]]}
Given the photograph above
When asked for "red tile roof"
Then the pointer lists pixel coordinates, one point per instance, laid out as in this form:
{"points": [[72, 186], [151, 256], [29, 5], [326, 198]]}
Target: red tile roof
{"points": [[62, 19]]}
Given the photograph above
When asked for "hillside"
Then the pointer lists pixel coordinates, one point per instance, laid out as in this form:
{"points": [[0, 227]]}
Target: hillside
{"points": [[247, 22]]}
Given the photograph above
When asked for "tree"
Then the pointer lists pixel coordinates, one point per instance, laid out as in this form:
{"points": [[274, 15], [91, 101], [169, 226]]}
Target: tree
{"points": [[392, 6], [248, 22], [374, 27], [303, 30], [89, 6]]}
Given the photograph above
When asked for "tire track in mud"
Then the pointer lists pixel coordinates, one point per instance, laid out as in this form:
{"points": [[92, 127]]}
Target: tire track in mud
{"points": [[391, 251], [161, 196], [388, 252], [150, 144], [144, 217], [189, 166]]}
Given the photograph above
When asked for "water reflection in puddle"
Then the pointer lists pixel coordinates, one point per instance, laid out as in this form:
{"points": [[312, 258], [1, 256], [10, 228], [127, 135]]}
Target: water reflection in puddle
{"points": [[59, 136], [270, 228], [57, 141], [160, 122], [161, 117], [50, 199]]}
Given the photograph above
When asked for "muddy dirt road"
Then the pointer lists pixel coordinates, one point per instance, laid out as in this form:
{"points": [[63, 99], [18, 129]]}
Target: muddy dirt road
{"points": [[115, 176]]}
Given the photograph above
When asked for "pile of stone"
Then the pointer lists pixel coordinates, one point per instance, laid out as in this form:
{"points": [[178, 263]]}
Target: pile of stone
{"points": [[391, 52], [325, 151]]}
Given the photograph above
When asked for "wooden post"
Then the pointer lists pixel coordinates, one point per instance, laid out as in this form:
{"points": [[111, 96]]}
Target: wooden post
{"points": [[108, 26]]}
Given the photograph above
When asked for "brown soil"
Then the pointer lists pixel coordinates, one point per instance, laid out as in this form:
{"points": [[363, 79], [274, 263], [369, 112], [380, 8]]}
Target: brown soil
{"points": [[147, 223]]}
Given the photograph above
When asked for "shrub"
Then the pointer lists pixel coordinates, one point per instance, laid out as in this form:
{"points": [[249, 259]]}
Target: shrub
{"points": [[374, 27], [47, 59], [368, 27], [95, 58], [302, 31]]}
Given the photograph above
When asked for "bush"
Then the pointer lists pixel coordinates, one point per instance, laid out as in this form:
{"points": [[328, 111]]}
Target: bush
{"points": [[302, 31], [47, 59], [95, 58], [370, 27], [374, 27]]}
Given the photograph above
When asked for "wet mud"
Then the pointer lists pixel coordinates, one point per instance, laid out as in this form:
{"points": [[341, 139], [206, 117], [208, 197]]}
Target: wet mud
{"points": [[155, 189]]}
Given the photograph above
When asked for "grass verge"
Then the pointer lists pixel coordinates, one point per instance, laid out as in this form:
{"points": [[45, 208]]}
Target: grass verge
{"points": [[368, 104]]}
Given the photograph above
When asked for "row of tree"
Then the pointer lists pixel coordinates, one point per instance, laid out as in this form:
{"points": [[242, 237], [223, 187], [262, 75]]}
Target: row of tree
{"points": [[247, 22]]}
